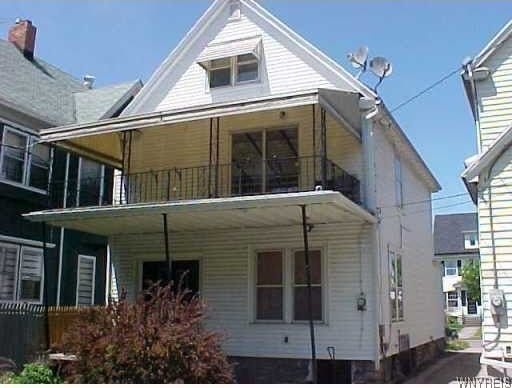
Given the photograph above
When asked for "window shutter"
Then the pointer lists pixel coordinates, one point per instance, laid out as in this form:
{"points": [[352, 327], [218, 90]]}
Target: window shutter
{"points": [[85, 280], [8, 269]]}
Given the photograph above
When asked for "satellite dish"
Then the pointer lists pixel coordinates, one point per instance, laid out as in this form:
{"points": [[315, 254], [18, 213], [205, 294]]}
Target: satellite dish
{"points": [[359, 59], [382, 68]]}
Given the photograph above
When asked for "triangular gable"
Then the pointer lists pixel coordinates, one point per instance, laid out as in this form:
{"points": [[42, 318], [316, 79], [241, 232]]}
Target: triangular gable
{"points": [[175, 83], [494, 44]]}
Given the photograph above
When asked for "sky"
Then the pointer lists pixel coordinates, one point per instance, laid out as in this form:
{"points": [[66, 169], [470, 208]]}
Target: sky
{"points": [[120, 40]]}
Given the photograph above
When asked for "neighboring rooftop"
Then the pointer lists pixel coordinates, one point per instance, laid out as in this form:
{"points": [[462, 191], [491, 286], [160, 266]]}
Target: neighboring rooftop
{"points": [[449, 232], [47, 93]]}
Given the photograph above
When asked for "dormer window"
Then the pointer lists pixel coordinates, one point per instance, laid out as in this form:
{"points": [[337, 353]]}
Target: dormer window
{"points": [[232, 63], [219, 73], [470, 240]]}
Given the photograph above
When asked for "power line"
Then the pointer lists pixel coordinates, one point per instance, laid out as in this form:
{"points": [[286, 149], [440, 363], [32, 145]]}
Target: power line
{"points": [[426, 90], [426, 200], [428, 210]]}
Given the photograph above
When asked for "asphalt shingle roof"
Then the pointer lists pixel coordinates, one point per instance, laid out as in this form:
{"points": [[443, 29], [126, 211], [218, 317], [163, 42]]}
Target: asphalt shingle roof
{"points": [[448, 233], [50, 94]]}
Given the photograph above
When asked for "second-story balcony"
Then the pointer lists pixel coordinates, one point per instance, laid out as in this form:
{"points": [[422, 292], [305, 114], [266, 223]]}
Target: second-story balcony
{"points": [[242, 178]]}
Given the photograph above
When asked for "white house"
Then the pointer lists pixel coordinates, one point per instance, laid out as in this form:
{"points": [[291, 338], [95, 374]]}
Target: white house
{"points": [[247, 149], [455, 246], [488, 81]]}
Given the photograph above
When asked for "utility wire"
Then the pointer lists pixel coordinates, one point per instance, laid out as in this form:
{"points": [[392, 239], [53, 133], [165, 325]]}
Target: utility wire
{"points": [[426, 90], [426, 201], [428, 210]]}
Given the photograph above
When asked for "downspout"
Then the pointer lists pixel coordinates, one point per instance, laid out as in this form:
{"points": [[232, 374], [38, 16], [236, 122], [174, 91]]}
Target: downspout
{"points": [[369, 108]]}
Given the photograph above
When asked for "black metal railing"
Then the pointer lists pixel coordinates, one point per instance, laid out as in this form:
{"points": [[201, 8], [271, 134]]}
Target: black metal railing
{"points": [[241, 178]]}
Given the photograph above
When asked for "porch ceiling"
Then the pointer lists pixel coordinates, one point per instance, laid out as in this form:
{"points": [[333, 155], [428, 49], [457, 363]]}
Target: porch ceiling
{"points": [[222, 213]]}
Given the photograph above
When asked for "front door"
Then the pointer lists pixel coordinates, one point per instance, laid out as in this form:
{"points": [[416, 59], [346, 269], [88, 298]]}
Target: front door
{"points": [[184, 272], [472, 307]]}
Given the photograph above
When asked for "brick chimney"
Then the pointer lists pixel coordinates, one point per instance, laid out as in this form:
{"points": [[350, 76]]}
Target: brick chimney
{"points": [[23, 36]]}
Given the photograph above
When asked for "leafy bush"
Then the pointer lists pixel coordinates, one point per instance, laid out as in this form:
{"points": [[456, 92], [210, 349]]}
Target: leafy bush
{"points": [[158, 339], [457, 344], [35, 374]]}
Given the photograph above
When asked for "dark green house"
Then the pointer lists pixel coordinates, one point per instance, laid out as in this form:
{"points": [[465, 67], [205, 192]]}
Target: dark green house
{"points": [[34, 176]]}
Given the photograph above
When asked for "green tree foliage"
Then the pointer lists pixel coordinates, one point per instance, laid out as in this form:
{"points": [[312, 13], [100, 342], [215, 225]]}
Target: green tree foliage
{"points": [[35, 373], [471, 279], [159, 339]]}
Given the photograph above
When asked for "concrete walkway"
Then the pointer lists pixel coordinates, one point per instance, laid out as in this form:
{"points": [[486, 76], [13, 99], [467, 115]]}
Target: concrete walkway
{"points": [[457, 364]]}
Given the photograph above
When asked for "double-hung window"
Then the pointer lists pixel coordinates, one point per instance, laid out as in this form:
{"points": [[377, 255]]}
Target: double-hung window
{"points": [[396, 291], [281, 288], [269, 286], [233, 70], [452, 299], [8, 271], [23, 160], [21, 273], [450, 268]]}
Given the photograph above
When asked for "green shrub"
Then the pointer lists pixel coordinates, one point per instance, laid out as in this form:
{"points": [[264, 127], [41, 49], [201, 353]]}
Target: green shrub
{"points": [[456, 344], [159, 339], [35, 373]]}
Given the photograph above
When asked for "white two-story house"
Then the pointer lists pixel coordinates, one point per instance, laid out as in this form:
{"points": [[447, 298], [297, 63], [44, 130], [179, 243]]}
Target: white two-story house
{"points": [[248, 153], [455, 246], [487, 80]]}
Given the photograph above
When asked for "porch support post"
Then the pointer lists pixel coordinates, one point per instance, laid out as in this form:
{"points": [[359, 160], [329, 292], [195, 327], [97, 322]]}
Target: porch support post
{"points": [[323, 144], [314, 143], [217, 160], [310, 295], [210, 143], [166, 244], [45, 285]]}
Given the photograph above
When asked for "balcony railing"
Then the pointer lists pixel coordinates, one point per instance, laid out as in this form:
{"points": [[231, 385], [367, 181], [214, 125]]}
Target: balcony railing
{"points": [[245, 178]]}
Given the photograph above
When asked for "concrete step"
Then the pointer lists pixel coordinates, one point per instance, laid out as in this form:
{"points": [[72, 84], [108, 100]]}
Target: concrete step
{"points": [[471, 321]]}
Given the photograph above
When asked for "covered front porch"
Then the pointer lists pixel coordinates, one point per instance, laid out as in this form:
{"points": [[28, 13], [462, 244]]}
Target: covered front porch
{"points": [[240, 245]]}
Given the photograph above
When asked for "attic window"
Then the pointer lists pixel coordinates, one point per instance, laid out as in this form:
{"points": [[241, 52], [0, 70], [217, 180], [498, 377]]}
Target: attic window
{"points": [[232, 63]]}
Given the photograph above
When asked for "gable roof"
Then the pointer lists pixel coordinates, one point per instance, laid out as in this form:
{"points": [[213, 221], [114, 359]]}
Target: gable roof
{"points": [[102, 103], [484, 160], [494, 44], [165, 69], [448, 233], [49, 94]]}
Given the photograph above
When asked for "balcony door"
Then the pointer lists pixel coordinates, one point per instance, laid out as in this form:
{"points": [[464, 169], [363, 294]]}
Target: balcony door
{"points": [[265, 161]]}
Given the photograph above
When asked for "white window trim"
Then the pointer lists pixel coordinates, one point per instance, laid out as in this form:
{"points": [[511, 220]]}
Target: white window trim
{"points": [[288, 258], [233, 66], [30, 139], [41, 291], [448, 299], [396, 252], [284, 283], [323, 267], [24, 241], [93, 258], [16, 273], [446, 268]]}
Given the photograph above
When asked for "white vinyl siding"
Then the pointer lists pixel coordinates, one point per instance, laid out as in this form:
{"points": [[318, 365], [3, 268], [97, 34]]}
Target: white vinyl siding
{"points": [[85, 280], [228, 288], [8, 271], [283, 68], [494, 95]]}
